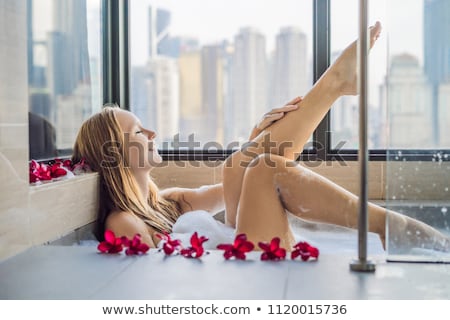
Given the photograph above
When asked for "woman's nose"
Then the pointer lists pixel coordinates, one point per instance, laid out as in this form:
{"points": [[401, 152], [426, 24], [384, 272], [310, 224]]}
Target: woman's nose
{"points": [[151, 135]]}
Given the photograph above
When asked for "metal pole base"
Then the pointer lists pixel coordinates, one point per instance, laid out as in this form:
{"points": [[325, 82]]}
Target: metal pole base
{"points": [[362, 265]]}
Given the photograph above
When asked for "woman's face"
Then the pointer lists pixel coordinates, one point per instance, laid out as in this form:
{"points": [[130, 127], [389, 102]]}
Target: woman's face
{"points": [[142, 149]]}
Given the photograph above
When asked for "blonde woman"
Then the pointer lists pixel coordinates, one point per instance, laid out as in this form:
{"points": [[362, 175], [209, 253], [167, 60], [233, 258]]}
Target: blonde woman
{"points": [[259, 185]]}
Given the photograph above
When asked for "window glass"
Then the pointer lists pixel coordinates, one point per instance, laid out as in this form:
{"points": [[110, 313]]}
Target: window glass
{"points": [[409, 78], [64, 72], [345, 112], [206, 71]]}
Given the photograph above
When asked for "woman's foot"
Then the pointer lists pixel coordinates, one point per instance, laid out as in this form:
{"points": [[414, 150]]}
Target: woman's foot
{"points": [[343, 71]]}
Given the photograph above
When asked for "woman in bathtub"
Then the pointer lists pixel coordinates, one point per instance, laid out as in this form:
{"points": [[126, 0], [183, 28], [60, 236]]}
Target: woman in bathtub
{"points": [[259, 185]]}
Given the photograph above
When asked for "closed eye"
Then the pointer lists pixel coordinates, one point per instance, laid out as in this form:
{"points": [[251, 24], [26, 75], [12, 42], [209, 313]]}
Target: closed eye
{"points": [[140, 131]]}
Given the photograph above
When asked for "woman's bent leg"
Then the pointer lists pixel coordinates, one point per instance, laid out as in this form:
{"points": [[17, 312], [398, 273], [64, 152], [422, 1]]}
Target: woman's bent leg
{"points": [[273, 184], [287, 136]]}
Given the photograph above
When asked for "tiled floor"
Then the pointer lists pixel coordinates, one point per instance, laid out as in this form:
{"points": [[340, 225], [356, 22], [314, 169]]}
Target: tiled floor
{"points": [[58, 272]]}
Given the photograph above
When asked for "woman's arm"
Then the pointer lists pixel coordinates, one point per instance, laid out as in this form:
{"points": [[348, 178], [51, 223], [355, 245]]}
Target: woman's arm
{"points": [[273, 116], [208, 198]]}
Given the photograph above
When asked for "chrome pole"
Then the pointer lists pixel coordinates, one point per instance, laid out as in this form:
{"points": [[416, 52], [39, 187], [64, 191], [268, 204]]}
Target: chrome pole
{"points": [[362, 263]]}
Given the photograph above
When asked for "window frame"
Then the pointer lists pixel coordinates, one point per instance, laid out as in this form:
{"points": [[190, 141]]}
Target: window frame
{"points": [[117, 89]]}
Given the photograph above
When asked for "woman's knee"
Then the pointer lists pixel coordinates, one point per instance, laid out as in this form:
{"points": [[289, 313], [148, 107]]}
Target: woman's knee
{"points": [[265, 166]]}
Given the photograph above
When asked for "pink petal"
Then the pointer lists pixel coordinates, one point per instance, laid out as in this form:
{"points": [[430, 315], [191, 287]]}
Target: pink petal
{"points": [[264, 256], [130, 252], [103, 246], [264, 246], [314, 252], [110, 237], [124, 240], [143, 247], [228, 254], [274, 244], [115, 249], [224, 246], [295, 254], [194, 239], [280, 253], [168, 249], [240, 255], [246, 246]]}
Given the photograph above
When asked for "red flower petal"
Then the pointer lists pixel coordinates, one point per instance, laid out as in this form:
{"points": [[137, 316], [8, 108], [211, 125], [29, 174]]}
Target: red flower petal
{"points": [[238, 249], [246, 246], [196, 249], [274, 244], [305, 251], [103, 246], [224, 246], [143, 247], [272, 251], [110, 237], [67, 163], [264, 246]]}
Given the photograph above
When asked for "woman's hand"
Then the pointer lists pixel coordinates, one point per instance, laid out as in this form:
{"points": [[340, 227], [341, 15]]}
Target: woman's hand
{"points": [[273, 116]]}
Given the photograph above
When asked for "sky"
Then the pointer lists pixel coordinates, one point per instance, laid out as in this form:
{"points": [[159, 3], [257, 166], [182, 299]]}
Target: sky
{"points": [[211, 21]]}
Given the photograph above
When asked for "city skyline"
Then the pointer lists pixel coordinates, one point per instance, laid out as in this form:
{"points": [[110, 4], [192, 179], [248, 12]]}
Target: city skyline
{"points": [[226, 79]]}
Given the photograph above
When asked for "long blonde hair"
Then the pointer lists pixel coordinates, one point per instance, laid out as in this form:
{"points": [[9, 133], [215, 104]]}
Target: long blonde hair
{"points": [[100, 142]]}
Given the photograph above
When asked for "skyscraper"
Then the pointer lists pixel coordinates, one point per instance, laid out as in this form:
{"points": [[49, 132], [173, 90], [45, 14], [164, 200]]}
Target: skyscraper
{"points": [[290, 68], [68, 70], [212, 91], [249, 83], [444, 115], [159, 26], [68, 45], [437, 52], [191, 116], [162, 84], [409, 99]]}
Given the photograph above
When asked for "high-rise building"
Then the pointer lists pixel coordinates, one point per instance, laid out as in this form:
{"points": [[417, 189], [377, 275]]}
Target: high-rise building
{"points": [[191, 116], [139, 94], [290, 68], [437, 52], [213, 91], [71, 111], [175, 46], [249, 83], [68, 46], [159, 27], [162, 88], [68, 70], [409, 97], [444, 115]]}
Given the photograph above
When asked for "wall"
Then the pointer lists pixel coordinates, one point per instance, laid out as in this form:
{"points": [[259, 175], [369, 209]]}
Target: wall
{"points": [[29, 215]]}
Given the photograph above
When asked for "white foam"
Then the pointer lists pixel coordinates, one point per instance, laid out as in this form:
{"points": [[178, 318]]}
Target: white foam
{"points": [[328, 238]]}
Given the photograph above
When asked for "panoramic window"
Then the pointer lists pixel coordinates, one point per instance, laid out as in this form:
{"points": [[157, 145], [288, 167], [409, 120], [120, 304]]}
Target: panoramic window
{"points": [[64, 72], [204, 72], [409, 78]]}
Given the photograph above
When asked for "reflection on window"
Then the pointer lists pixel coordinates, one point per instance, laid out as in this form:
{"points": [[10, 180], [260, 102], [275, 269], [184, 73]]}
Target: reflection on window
{"points": [[64, 72], [345, 112], [409, 92], [212, 70]]}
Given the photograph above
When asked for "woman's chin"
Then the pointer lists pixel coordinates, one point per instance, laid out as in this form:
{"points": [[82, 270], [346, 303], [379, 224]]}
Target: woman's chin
{"points": [[154, 158]]}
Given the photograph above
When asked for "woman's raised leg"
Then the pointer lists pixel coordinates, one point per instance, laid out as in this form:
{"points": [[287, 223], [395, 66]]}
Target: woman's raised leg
{"points": [[287, 136]]}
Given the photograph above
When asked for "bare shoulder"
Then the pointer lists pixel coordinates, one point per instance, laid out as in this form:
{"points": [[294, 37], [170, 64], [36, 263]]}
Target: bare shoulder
{"points": [[124, 223]]}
